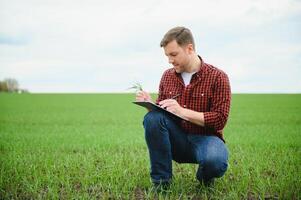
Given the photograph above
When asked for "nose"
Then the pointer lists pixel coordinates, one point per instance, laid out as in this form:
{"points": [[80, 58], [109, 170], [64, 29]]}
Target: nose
{"points": [[170, 60]]}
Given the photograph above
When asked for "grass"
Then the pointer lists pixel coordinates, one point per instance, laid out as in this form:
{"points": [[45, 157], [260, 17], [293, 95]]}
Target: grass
{"points": [[91, 146]]}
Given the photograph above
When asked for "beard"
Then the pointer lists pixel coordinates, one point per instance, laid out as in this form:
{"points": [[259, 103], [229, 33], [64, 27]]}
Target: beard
{"points": [[178, 68]]}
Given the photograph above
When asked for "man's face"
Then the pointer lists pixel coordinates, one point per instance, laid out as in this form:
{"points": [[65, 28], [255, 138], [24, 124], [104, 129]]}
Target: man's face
{"points": [[178, 56]]}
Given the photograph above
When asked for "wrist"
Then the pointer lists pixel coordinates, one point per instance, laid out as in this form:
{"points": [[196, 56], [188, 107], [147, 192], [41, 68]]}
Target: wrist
{"points": [[184, 113]]}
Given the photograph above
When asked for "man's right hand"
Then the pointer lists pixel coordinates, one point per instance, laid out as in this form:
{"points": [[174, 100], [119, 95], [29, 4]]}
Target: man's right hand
{"points": [[143, 96]]}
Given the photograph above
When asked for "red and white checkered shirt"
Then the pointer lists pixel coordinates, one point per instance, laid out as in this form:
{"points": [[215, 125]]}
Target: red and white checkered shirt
{"points": [[208, 92]]}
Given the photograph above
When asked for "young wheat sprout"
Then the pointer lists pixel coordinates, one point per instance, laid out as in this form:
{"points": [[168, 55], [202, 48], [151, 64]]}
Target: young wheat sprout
{"points": [[137, 87]]}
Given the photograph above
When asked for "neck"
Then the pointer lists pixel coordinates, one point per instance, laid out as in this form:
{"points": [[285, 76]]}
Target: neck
{"points": [[194, 64]]}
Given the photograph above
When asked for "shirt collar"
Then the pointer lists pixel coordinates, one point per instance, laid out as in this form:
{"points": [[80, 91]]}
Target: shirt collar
{"points": [[202, 69]]}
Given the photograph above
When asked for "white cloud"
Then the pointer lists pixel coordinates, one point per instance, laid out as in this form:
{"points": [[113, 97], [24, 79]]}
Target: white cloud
{"points": [[109, 45]]}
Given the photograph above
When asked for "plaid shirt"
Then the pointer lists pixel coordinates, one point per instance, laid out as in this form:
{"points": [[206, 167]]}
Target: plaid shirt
{"points": [[208, 92]]}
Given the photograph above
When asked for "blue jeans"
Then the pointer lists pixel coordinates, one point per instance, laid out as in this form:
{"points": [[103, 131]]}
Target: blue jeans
{"points": [[166, 141]]}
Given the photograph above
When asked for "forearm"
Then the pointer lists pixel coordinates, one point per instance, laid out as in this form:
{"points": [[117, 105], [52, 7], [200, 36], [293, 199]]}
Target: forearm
{"points": [[210, 119], [193, 116]]}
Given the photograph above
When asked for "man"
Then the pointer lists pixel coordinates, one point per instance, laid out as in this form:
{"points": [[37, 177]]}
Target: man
{"points": [[199, 93]]}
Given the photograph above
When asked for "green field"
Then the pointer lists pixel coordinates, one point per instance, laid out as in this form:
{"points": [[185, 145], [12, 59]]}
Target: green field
{"points": [[91, 146]]}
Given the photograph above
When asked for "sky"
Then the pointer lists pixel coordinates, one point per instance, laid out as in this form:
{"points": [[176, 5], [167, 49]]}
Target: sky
{"points": [[95, 46]]}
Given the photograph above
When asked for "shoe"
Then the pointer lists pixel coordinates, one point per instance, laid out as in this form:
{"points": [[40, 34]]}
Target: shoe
{"points": [[202, 180]]}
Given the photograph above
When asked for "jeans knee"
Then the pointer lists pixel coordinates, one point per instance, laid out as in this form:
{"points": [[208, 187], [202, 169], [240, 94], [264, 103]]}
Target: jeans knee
{"points": [[152, 119], [153, 124]]}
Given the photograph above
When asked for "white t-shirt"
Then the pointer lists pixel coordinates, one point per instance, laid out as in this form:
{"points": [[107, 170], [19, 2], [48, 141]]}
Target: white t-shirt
{"points": [[187, 77]]}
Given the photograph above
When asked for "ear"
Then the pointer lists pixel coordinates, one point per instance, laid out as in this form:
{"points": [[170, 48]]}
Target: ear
{"points": [[189, 48]]}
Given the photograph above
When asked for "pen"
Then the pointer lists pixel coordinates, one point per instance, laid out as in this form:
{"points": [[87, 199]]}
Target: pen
{"points": [[175, 96]]}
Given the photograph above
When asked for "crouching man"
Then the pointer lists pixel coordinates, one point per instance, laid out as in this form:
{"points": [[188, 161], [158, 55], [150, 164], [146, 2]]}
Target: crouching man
{"points": [[199, 93]]}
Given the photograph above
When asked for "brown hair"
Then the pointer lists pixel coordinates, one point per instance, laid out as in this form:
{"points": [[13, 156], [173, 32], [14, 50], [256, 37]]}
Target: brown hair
{"points": [[182, 35]]}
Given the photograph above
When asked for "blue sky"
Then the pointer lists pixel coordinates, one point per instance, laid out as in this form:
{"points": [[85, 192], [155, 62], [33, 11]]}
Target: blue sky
{"points": [[101, 46]]}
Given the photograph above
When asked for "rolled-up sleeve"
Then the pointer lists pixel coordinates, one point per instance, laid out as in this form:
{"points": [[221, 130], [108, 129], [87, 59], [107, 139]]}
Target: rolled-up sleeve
{"points": [[217, 117]]}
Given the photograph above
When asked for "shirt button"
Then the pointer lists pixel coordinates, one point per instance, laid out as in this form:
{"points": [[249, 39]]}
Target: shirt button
{"points": [[184, 106], [202, 94]]}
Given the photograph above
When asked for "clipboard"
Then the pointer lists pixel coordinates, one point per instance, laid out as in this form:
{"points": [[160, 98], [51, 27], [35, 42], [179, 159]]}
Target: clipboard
{"points": [[152, 106]]}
